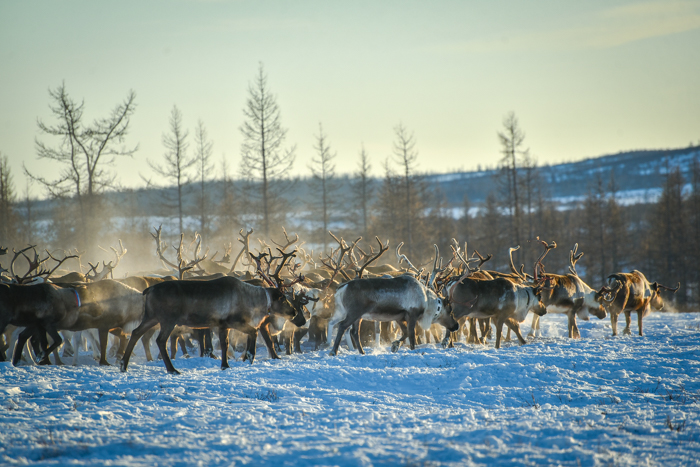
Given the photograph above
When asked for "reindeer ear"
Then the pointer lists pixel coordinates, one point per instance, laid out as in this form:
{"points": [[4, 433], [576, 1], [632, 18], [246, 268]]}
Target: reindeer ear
{"points": [[655, 286]]}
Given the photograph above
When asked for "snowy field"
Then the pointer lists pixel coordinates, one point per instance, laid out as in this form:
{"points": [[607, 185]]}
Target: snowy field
{"points": [[627, 400]]}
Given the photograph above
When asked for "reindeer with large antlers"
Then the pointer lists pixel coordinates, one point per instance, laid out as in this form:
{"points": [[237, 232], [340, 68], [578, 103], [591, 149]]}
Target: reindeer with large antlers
{"points": [[567, 294], [632, 292], [222, 303], [403, 299]]}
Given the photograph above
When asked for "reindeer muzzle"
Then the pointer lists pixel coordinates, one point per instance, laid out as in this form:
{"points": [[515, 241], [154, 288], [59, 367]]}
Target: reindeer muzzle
{"points": [[299, 320]]}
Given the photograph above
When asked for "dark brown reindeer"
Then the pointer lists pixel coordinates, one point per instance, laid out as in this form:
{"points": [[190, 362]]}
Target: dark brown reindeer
{"points": [[632, 292], [224, 303], [500, 299]]}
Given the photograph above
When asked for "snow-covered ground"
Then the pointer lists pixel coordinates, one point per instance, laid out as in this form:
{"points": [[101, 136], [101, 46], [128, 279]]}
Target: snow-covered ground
{"points": [[601, 400]]}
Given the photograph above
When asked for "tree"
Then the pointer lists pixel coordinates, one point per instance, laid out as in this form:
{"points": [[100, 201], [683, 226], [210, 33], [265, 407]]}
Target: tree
{"points": [[228, 205], [203, 149], [363, 190], [511, 140], [405, 155], [8, 219], [177, 162], [264, 160], [323, 172], [84, 151]]}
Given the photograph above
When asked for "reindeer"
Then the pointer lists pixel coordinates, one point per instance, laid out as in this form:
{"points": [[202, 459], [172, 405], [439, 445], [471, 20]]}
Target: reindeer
{"points": [[225, 303], [499, 299], [567, 294], [628, 292], [403, 299]]}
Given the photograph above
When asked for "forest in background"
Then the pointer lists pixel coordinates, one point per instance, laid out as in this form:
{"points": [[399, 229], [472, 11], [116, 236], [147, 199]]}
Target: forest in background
{"points": [[86, 209]]}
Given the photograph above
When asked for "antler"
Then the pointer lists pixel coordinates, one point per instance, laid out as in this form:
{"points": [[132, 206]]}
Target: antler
{"points": [[289, 242], [382, 250], [659, 286], [401, 258], [437, 270], [258, 264], [538, 264], [246, 247], [573, 258], [482, 260], [336, 265], [160, 246]]}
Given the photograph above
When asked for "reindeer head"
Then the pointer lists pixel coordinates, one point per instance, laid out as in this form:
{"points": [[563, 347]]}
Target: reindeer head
{"points": [[657, 302], [443, 312]]}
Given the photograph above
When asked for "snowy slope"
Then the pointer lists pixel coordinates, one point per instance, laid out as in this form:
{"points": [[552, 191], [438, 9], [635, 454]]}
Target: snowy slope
{"points": [[597, 401]]}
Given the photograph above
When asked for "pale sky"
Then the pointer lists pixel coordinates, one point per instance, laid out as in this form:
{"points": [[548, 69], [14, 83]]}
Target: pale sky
{"points": [[584, 78]]}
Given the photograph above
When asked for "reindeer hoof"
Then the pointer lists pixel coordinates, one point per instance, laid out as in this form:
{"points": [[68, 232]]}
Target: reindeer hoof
{"points": [[250, 357], [627, 332], [122, 366], [395, 346], [445, 342], [174, 372]]}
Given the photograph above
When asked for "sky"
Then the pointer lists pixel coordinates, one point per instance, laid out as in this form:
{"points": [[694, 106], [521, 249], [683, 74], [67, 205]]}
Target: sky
{"points": [[583, 78]]}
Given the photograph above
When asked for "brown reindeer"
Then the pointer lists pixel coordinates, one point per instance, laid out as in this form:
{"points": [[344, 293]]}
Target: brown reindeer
{"points": [[632, 292], [567, 294]]}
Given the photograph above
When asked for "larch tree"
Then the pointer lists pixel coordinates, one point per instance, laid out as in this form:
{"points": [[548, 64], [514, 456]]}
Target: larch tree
{"points": [[405, 156], [177, 163], [203, 149], [8, 219], [84, 151], [323, 181], [363, 190], [512, 139], [264, 159]]}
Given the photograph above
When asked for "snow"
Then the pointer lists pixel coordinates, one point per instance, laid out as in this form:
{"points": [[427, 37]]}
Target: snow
{"points": [[596, 401]]}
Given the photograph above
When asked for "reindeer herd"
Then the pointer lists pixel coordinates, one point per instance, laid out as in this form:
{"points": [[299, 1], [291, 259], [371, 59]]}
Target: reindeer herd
{"points": [[286, 294]]}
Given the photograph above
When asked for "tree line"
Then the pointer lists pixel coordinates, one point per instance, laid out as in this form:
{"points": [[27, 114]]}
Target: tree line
{"points": [[661, 239]]}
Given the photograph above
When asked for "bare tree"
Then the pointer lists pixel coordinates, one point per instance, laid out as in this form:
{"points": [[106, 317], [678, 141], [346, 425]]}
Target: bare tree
{"points": [[228, 207], [84, 150], [177, 162], [511, 139], [363, 190], [405, 155], [7, 201], [264, 160], [323, 172], [202, 152]]}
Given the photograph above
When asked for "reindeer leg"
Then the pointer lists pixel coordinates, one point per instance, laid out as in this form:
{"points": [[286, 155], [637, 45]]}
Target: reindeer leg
{"points": [[377, 333], [161, 341], [628, 321], [507, 339], [264, 328], [355, 334], [173, 346], [77, 341], [534, 326], [136, 334], [298, 335], [104, 339], [342, 327], [613, 322], [223, 339], [411, 333], [515, 326], [499, 331], [146, 342], [252, 333], [640, 316], [485, 325], [404, 334], [19, 345], [181, 341]]}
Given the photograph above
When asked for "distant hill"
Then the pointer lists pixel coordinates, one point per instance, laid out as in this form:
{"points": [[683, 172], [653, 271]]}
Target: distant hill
{"points": [[638, 175]]}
